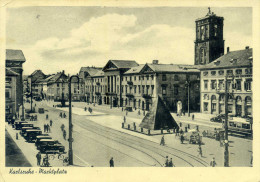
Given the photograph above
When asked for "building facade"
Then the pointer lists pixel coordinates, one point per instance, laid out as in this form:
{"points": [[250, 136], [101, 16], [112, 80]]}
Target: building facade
{"points": [[235, 69], [209, 43], [14, 63], [127, 84]]}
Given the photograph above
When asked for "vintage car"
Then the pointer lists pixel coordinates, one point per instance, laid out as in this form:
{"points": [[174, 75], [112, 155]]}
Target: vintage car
{"points": [[40, 137], [193, 136], [26, 125], [24, 129], [30, 135], [18, 124], [50, 146]]}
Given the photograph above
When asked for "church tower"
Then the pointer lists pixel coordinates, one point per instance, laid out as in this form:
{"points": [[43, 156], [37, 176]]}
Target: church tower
{"points": [[209, 43]]}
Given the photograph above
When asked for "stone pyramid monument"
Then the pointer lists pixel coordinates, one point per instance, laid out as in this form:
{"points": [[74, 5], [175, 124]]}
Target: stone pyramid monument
{"points": [[159, 117]]}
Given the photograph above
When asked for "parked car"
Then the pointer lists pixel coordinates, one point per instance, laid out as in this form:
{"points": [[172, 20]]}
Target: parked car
{"points": [[40, 137], [50, 146], [18, 124], [30, 135], [24, 129], [26, 125]]}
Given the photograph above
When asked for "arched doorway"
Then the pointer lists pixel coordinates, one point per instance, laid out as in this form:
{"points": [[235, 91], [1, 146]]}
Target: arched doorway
{"points": [[213, 104], [238, 106], [248, 106]]}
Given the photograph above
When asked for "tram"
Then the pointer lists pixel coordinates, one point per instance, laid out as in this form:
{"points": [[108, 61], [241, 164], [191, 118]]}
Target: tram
{"points": [[240, 128]]}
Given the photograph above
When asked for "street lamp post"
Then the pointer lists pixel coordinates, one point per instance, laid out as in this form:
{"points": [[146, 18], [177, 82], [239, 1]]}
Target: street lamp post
{"points": [[188, 87], [70, 121], [226, 153], [31, 95]]}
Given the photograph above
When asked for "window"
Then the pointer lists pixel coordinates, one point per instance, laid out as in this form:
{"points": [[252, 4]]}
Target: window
{"points": [[135, 77], [126, 89], [142, 77], [206, 84], [205, 106], [230, 108], [147, 89], [163, 77], [163, 90], [238, 71], [248, 85], [176, 89], [58, 85], [249, 71], [7, 94], [126, 78], [122, 88], [213, 73], [152, 77], [238, 86], [152, 89], [213, 107], [143, 89], [139, 89], [205, 73], [230, 72], [147, 77], [135, 89], [130, 78], [221, 84], [221, 72], [117, 89], [176, 78], [206, 97], [139, 77], [213, 84]]}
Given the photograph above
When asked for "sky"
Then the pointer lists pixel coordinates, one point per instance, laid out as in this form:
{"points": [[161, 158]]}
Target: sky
{"points": [[68, 38]]}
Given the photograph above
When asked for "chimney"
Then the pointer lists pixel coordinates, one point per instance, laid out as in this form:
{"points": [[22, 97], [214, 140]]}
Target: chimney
{"points": [[227, 49], [155, 61], [247, 47]]}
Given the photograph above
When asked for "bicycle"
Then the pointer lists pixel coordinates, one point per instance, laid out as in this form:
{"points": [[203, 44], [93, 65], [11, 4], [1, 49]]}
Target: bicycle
{"points": [[60, 156]]}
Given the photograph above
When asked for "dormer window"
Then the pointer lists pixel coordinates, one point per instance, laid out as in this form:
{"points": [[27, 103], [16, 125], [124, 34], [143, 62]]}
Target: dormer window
{"points": [[217, 62], [238, 71], [221, 72], [205, 73], [213, 73], [233, 61]]}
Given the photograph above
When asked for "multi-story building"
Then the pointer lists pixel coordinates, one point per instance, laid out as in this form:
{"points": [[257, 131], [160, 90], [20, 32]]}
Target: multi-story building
{"points": [[127, 84], [57, 87], [14, 64], [234, 68], [209, 43], [34, 83], [85, 75], [10, 92]]}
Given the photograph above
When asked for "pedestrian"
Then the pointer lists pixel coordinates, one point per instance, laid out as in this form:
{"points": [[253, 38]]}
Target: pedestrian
{"points": [[45, 161], [177, 132], [170, 163], [183, 113], [182, 138], [192, 117], [48, 128], [139, 112], [162, 141], [39, 157], [64, 115], [200, 151], [44, 127], [85, 108], [124, 119], [64, 134], [166, 164], [47, 116], [122, 109], [111, 162], [50, 123], [213, 162], [60, 114], [18, 114], [62, 127], [126, 112]]}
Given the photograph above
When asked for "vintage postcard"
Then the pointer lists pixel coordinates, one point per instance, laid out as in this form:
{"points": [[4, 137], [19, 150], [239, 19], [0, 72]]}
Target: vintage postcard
{"points": [[132, 86]]}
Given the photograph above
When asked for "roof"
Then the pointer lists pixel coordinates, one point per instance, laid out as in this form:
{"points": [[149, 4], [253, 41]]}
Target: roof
{"points": [[232, 59], [159, 117], [172, 68], [15, 55], [10, 72], [90, 70], [122, 64], [135, 69], [99, 73], [57, 76]]}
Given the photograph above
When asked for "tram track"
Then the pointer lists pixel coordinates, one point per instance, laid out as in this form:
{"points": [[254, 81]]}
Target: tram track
{"points": [[146, 146]]}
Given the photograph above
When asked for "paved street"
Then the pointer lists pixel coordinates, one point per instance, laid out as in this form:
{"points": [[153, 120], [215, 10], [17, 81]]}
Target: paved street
{"points": [[99, 136]]}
